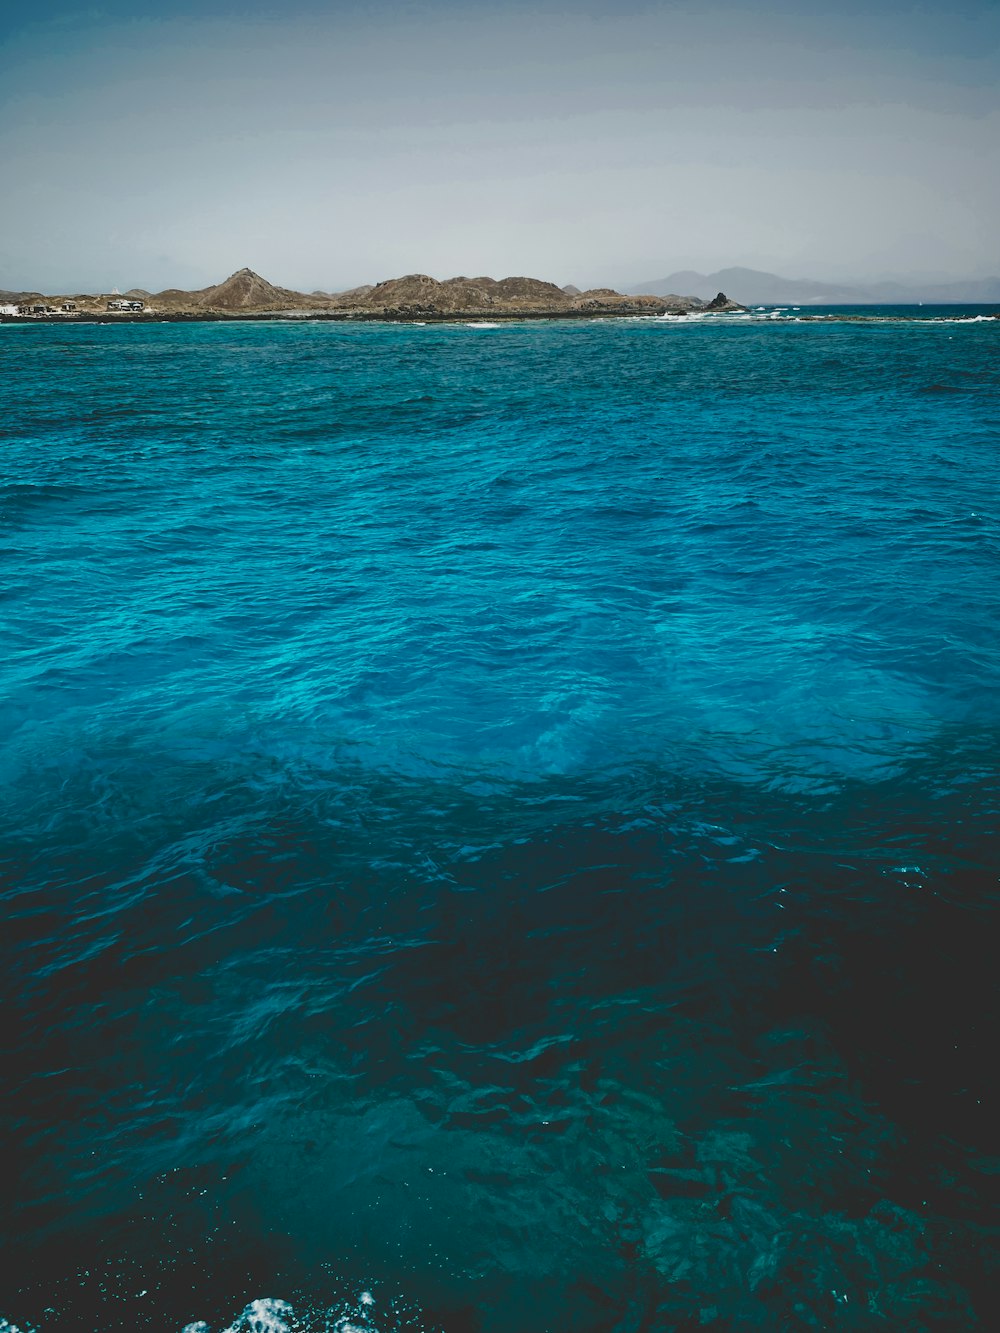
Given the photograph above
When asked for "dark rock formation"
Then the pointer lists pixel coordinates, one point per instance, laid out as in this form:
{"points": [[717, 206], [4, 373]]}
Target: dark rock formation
{"points": [[722, 302]]}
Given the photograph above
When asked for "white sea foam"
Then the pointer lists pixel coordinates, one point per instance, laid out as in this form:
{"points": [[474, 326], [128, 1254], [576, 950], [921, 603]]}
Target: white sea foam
{"points": [[263, 1316], [481, 324], [270, 1314], [792, 315]]}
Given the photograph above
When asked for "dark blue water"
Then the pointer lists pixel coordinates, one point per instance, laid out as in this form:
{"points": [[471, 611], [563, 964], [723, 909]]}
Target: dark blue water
{"points": [[498, 825]]}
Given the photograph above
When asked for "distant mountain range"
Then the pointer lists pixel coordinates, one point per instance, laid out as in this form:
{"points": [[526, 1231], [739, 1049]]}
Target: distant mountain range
{"points": [[755, 288]]}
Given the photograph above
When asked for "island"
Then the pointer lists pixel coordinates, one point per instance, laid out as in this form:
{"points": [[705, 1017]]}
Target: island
{"points": [[415, 298]]}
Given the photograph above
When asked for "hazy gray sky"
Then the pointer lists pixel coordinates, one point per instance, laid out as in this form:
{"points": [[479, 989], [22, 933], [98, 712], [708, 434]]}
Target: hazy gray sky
{"points": [[328, 144]]}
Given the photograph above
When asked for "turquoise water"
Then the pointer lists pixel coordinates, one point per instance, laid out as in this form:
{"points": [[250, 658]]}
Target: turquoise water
{"points": [[498, 824]]}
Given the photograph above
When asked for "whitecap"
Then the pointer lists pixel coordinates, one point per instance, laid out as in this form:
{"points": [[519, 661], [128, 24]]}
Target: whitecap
{"points": [[266, 1315], [270, 1314]]}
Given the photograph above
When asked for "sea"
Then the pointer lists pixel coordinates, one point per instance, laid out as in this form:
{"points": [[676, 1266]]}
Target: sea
{"points": [[498, 824]]}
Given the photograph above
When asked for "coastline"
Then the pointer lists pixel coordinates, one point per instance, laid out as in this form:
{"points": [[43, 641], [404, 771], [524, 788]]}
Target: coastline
{"points": [[355, 316], [415, 298], [843, 315], [328, 317]]}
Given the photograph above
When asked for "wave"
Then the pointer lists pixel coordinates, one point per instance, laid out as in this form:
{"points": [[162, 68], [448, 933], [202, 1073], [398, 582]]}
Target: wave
{"points": [[268, 1314], [784, 315], [273, 1315]]}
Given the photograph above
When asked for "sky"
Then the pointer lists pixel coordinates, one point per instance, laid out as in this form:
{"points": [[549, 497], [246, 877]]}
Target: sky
{"points": [[327, 144]]}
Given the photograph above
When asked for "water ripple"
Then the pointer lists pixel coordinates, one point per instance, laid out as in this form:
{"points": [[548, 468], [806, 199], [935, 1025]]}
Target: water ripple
{"points": [[501, 824]]}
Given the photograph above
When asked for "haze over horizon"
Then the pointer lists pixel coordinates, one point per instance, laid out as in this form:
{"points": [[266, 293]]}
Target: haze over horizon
{"points": [[326, 145]]}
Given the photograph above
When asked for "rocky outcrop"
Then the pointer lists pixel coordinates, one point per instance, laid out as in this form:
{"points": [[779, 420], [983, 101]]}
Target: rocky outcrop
{"points": [[605, 301], [722, 302]]}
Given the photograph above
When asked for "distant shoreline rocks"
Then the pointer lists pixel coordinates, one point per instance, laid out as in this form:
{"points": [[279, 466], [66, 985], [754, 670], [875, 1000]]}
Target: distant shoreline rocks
{"points": [[415, 298]]}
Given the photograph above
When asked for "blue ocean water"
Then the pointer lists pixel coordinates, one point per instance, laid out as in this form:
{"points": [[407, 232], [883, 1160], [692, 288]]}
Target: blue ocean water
{"points": [[497, 824]]}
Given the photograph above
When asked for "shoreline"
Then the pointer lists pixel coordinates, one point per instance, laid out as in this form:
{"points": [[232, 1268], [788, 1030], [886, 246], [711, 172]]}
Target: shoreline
{"points": [[493, 317], [415, 298], [332, 317]]}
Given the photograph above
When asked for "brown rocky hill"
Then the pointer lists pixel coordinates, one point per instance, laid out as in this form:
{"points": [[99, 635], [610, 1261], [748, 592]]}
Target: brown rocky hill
{"points": [[417, 290], [244, 290], [248, 290], [418, 295], [352, 295], [530, 289]]}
